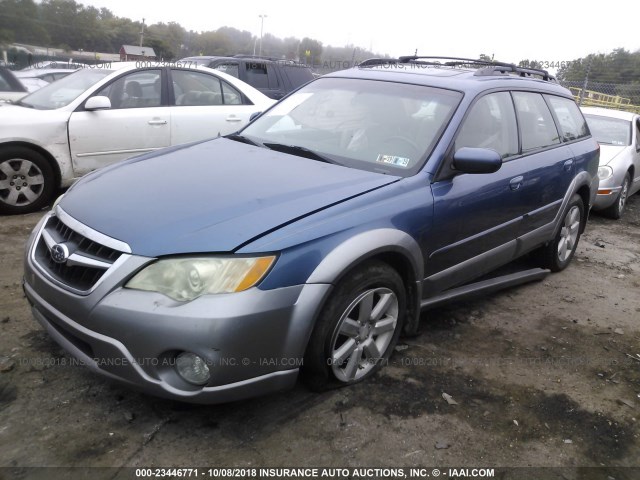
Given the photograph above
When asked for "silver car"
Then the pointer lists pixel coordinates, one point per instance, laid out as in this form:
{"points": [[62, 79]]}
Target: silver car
{"points": [[618, 134]]}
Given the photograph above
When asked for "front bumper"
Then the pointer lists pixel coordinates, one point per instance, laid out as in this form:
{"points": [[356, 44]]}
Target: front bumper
{"points": [[253, 341], [608, 193]]}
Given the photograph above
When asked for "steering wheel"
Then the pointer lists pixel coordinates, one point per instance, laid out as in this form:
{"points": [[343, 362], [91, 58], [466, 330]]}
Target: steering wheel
{"points": [[398, 144]]}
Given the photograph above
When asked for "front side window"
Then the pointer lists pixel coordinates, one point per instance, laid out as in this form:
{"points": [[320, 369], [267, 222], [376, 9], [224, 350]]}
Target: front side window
{"points": [[371, 125], [230, 69], [135, 90], [491, 124], [571, 122], [537, 128]]}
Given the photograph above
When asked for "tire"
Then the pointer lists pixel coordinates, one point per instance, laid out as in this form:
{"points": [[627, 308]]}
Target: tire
{"points": [[557, 255], [357, 329], [616, 210], [26, 181]]}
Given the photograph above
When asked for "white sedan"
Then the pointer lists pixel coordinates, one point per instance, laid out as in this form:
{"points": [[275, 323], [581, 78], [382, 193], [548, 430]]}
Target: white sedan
{"points": [[98, 116]]}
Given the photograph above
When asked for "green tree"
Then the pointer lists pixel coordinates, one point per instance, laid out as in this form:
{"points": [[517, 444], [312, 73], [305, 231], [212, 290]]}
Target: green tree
{"points": [[20, 22], [310, 51]]}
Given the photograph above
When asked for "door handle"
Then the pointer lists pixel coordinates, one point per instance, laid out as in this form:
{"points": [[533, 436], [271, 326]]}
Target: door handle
{"points": [[157, 122], [233, 118], [516, 183], [567, 165]]}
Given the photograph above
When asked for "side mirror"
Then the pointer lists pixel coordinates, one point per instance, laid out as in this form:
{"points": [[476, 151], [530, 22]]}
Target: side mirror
{"points": [[254, 115], [97, 103], [477, 160]]}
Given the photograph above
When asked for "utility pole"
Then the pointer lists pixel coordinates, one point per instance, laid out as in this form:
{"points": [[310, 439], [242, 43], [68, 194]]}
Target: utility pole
{"points": [[262, 17], [142, 32]]}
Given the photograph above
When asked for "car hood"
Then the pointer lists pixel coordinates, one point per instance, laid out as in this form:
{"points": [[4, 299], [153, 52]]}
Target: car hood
{"points": [[212, 196], [609, 152], [13, 115]]}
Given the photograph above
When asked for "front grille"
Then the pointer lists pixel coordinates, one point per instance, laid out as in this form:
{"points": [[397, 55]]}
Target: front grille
{"points": [[86, 262]]}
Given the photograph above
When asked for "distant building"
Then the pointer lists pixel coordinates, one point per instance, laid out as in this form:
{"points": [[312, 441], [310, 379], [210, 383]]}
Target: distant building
{"points": [[131, 52]]}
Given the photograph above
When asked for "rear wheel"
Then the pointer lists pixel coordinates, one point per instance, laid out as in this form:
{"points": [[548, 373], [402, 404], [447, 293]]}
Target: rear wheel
{"points": [[357, 329], [557, 254], [617, 209], [26, 181]]}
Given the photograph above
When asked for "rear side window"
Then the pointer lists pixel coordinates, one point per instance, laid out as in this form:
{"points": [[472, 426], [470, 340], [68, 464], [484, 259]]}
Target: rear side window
{"points": [[571, 122], [537, 128], [491, 124], [257, 75], [200, 89]]}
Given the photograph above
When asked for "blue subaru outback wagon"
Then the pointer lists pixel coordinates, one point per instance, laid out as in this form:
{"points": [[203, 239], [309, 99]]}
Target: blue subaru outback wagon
{"points": [[307, 242]]}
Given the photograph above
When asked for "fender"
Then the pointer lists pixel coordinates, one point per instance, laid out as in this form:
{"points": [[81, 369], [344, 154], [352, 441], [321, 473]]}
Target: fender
{"points": [[582, 179], [369, 244]]}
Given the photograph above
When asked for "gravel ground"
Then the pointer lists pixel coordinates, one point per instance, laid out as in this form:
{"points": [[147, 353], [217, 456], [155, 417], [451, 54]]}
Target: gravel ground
{"points": [[545, 374]]}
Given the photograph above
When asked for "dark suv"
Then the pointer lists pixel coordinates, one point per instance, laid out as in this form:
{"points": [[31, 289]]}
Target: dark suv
{"points": [[308, 241], [273, 77]]}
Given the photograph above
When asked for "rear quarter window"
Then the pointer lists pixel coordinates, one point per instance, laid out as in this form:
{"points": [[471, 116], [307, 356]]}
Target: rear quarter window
{"points": [[570, 120]]}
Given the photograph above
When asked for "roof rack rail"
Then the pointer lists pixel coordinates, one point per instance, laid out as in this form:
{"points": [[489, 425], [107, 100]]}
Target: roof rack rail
{"points": [[262, 57], [521, 71], [370, 62], [488, 67], [451, 61]]}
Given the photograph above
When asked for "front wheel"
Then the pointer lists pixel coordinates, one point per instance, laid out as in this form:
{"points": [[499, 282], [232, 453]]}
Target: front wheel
{"points": [[616, 210], [26, 181], [357, 329], [557, 255]]}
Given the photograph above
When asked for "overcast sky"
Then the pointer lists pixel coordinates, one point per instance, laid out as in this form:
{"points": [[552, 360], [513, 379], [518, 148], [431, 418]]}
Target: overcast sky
{"points": [[545, 30]]}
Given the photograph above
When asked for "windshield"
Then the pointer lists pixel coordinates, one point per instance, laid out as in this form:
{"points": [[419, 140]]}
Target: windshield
{"points": [[610, 131], [366, 124], [62, 92]]}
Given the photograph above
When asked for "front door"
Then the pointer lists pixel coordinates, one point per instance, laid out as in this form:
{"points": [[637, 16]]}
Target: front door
{"points": [[137, 122]]}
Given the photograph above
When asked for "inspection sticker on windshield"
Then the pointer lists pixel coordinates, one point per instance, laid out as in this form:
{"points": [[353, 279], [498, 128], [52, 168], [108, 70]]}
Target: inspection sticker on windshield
{"points": [[393, 160]]}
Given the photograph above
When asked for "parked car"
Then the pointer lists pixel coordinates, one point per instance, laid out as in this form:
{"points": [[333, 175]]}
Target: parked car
{"points": [[97, 116], [311, 239], [618, 134], [273, 77], [10, 87], [47, 74]]}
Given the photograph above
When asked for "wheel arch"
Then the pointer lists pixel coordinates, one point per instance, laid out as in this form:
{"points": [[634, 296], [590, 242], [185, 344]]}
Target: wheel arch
{"points": [[55, 167], [395, 248]]}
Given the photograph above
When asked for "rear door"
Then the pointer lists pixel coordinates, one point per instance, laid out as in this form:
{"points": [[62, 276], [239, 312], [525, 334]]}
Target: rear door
{"points": [[205, 106], [137, 122], [547, 155]]}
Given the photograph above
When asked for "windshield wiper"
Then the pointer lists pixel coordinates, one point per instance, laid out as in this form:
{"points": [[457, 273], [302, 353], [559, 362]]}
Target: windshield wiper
{"points": [[300, 151], [241, 138]]}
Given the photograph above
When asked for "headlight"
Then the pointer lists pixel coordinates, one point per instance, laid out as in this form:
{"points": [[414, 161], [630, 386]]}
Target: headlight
{"points": [[185, 279], [604, 172]]}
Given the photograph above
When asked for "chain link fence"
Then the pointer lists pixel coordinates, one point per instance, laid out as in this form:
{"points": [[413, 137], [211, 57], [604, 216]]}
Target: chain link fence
{"points": [[618, 96]]}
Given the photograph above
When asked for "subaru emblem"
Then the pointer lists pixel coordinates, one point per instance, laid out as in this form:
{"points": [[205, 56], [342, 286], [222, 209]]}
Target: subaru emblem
{"points": [[59, 253]]}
